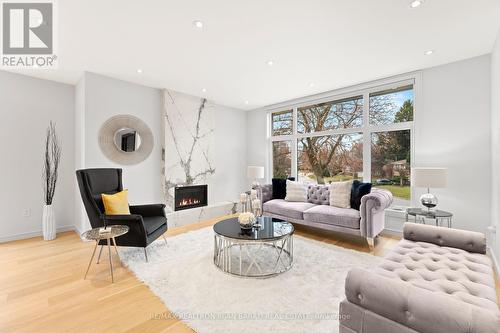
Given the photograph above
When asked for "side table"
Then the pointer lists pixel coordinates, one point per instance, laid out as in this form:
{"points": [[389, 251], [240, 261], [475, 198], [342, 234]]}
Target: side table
{"points": [[437, 215], [95, 235]]}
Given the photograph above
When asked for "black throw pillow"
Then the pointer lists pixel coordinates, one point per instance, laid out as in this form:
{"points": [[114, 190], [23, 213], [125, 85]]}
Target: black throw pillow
{"points": [[358, 190], [279, 187]]}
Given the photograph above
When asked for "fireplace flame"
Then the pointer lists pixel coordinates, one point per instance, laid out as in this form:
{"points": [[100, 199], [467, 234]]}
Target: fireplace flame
{"points": [[188, 202]]}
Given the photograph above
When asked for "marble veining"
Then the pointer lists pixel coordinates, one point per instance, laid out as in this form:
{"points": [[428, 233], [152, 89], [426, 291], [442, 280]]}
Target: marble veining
{"points": [[188, 136]]}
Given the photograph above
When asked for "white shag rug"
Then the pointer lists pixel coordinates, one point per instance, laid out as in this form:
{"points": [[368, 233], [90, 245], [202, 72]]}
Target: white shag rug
{"points": [[304, 299]]}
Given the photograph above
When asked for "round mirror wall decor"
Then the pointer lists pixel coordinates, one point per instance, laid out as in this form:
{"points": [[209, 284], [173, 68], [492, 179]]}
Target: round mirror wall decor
{"points": [[126, 139]]}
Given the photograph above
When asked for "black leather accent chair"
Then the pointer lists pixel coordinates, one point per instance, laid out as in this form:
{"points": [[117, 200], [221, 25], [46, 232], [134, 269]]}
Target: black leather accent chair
{"points": [[146, 222]]}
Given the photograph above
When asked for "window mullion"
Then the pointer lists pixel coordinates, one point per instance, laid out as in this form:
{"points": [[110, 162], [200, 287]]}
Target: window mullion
{"points": [[367, 161], [294, 145]]}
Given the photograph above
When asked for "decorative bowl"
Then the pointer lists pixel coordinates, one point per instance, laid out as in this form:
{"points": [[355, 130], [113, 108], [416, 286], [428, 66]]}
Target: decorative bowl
{"points": [[246, 220]]}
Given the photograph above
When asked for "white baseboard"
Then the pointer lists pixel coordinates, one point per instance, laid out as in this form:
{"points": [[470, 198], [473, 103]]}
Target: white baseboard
{"points": [[77, 230], [26, 235], [496, 263]]}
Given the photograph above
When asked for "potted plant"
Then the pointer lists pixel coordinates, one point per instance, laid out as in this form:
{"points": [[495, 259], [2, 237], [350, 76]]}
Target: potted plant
{"points": [[49, 176]]}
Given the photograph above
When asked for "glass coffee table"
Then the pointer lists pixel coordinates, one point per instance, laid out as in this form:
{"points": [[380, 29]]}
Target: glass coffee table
{"points": [[260, 252]]}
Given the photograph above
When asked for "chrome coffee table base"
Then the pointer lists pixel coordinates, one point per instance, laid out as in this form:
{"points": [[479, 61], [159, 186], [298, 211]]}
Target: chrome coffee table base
{"points": [[253, 258]]}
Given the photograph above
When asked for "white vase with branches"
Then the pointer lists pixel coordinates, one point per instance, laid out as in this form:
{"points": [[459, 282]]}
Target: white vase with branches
{"points": [[49, 176]]}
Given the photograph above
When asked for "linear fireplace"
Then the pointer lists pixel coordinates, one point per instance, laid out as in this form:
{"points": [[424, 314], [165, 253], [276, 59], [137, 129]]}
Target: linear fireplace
{"points": [[190, 196]]}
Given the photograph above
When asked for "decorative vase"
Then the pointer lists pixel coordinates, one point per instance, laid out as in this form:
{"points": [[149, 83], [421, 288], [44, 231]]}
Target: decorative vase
{"points": [[48, 223], [246, 220]]}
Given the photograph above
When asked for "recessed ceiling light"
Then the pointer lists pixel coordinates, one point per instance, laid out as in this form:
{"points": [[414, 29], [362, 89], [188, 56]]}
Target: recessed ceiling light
{"points": [[198, 24], [416, 3], [428, 52], [270, 63], [246, 102], [311, 84], [203, 90], [139, 71]]}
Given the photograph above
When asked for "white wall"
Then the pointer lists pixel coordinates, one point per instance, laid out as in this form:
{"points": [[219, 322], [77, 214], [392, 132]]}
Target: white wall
{"points": [[106, 97], [495, 144], [257, 141], [27, 106], [79, 209], [452, 129], [230, 155]]}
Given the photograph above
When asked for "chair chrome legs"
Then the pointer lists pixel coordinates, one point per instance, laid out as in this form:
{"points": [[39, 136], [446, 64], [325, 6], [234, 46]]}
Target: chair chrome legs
{"points": [[91, 258], [165, 239], [146, 254]]}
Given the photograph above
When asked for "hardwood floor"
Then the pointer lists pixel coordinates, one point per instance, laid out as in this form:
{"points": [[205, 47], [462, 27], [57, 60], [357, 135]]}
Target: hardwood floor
{"points": [[42, 287]]}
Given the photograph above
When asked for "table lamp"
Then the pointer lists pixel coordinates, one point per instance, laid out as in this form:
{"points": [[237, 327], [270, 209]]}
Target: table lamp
{"points": [[430, 178], [254, 173]]}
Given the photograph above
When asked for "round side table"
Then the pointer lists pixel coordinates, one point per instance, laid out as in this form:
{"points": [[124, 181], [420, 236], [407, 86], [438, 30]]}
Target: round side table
{"points": [[96, 235], [438, 216]]}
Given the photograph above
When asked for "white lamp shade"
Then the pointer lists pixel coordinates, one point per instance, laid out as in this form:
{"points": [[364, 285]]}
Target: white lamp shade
{"points": [[429, 177], [255, 172]]}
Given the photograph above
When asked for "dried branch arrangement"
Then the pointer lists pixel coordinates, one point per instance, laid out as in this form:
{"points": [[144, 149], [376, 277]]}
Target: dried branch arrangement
{"points": [[51, 163]]}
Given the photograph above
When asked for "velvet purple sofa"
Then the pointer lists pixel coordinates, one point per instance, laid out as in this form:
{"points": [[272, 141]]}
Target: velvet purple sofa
{"points": [[436, 280], [368, 222]]}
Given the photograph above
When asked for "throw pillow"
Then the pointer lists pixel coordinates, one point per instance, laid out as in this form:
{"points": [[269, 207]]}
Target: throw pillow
{"points": [[279, 187], [340, 194], [116, 204], [358, 190], [296, 191]]}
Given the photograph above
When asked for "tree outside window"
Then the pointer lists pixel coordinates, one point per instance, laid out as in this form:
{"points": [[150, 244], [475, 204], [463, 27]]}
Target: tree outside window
{"points": [[326, 159], [282, 159], [330, 136]]}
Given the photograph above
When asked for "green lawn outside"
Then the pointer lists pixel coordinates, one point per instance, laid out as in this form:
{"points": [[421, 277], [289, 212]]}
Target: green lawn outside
{"points": [[402, 192], [338, 178]]}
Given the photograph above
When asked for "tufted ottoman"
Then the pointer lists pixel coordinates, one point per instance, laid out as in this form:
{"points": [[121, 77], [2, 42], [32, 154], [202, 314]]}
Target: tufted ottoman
{"points": [[435, 280]]}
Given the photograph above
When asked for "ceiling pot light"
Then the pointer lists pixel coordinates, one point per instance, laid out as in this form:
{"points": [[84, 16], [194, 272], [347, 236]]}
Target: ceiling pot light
{"points": [[416, 3], [198, 24], [203, 90], [246, 102], [139, 71], [270, 63], [311, 84], [429, 52]]}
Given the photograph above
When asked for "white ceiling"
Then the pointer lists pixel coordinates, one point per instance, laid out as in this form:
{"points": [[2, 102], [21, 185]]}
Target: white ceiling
{"points": [[331, 43]]}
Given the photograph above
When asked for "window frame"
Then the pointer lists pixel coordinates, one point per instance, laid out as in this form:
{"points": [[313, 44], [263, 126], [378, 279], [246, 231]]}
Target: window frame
{"points": [[366, 129], [280, 112]]}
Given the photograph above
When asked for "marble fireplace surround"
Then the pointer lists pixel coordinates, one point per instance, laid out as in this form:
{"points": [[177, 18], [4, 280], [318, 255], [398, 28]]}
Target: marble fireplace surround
{"points": [[189, 156]]}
